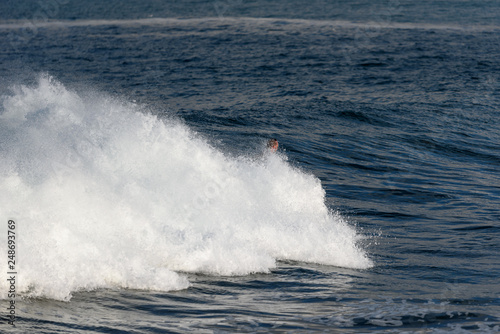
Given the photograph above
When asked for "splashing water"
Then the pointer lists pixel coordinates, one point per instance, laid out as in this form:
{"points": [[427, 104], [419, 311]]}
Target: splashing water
{"points": [[105, 194]]}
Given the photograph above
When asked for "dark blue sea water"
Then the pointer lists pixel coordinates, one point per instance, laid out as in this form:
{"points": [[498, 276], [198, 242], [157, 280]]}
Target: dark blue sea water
{"points": [[133, 163]]}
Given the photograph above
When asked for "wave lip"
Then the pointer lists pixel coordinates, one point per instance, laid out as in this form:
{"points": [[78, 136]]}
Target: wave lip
{"points": [[106, 195]]}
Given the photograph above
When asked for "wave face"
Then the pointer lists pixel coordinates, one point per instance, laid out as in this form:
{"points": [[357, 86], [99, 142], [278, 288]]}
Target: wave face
{"points": [[106, 195]]}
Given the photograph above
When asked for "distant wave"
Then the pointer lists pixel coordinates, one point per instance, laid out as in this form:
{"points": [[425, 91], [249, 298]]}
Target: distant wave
{"points": [[107, 195], [27, 24]]}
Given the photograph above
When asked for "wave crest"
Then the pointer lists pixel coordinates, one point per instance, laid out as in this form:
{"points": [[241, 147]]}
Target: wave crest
{"points": [[107, 195]]}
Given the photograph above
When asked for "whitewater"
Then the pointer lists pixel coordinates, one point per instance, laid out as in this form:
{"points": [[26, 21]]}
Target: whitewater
{"points": [[105, 194]]}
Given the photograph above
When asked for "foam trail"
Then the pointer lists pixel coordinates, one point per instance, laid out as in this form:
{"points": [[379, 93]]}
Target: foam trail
{"points": [[106, 195]]}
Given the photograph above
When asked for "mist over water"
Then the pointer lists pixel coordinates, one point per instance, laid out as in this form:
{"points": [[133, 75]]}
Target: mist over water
{"points": [[107, 195]]}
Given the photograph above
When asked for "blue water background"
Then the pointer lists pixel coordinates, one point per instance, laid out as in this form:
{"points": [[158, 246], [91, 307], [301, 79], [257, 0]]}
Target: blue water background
{"points": [[393, 105]]}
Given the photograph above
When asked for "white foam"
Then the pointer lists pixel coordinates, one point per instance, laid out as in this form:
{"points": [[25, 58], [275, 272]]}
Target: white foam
{"points": [[106, 195]]}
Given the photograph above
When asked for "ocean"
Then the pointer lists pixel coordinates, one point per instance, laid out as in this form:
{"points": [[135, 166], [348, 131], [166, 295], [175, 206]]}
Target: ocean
{"points": [[137, 194]]}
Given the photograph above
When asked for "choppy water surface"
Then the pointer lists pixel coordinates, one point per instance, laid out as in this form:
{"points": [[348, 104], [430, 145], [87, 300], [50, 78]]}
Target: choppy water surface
{"points": [[133, 160]]}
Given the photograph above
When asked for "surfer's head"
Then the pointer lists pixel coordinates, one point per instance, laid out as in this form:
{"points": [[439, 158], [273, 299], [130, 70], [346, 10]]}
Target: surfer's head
{"points": [[272, 144]]}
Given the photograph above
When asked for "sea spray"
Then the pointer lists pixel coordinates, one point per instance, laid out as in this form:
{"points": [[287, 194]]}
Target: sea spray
{"points": [[108, 195]]}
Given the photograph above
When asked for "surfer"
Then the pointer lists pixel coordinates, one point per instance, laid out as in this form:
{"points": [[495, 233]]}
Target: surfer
{"points": [[272, 144]]}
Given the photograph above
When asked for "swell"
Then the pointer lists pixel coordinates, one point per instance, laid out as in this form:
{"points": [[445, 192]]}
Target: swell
{"points": [[223, 21]]}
